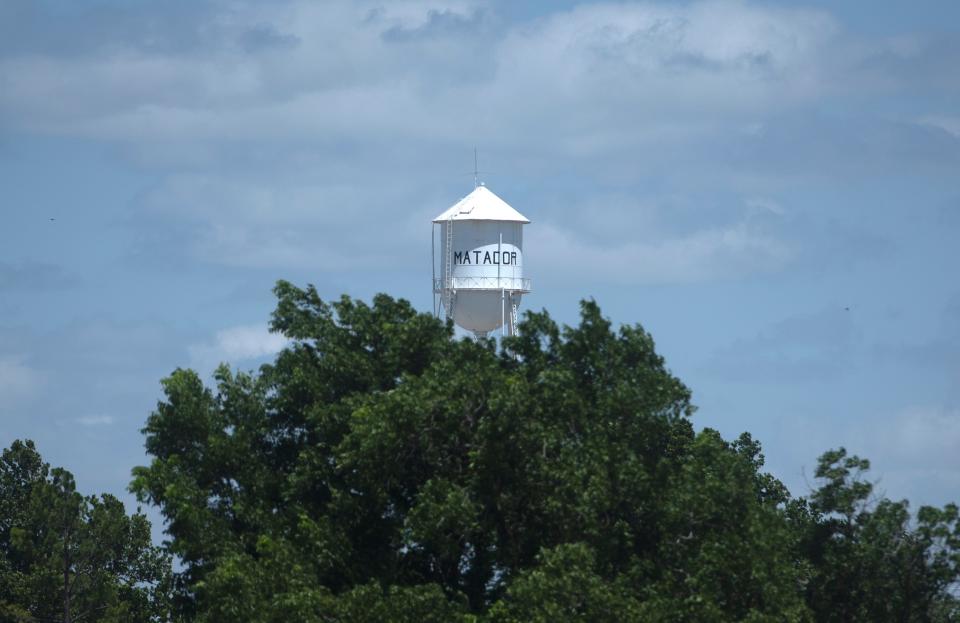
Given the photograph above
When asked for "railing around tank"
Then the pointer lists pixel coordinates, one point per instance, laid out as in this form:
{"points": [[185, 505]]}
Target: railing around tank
{"points": [[513, 284]]}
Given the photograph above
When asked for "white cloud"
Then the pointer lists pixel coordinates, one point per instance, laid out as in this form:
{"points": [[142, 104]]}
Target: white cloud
{"points": [[411, 14], [915, 453], [265, 223], [236, 344], [95, 420], [926, 436], [741, 56], [951, 125], [761, 205], [724, 252], [608, 87], [248, 342], [565, 76], [17, 379], [797, 350], [586, 84]]}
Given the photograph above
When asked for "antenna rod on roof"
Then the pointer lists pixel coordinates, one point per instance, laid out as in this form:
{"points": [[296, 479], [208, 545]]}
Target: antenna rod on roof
{"points": [[476, 172]]}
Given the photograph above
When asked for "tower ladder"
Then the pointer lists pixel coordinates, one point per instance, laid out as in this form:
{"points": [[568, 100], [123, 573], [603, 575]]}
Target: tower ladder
{"points": [[448, 268]]}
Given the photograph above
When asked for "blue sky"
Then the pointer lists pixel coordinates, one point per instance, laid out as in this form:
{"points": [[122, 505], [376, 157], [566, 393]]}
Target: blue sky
{"points": [[771, 188]]}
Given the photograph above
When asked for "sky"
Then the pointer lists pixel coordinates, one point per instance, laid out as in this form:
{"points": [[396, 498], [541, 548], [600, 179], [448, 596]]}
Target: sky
{"points": [[771, 188]]}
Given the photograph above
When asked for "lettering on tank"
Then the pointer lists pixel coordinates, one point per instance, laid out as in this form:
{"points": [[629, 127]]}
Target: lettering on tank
{"points": [[480, 258]]}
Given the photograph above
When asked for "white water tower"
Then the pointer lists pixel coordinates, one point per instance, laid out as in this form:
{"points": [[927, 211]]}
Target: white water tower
{"points": [[481, 263]]}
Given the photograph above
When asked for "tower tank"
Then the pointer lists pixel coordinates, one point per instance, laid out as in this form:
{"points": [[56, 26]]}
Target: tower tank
{"points": [[480, 281]]}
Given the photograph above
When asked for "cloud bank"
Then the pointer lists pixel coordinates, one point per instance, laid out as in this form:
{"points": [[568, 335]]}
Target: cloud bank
{"points": [[236, 345], [17, 379], [284, 112]]}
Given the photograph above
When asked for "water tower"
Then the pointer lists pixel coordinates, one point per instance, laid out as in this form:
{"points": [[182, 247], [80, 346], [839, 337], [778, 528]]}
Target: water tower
{"points": [[481, 263]]}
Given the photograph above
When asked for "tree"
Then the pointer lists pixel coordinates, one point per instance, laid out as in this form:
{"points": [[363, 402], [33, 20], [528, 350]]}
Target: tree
{"points": [[71, 558], [379, 469], [378, 454], [871, 560]]}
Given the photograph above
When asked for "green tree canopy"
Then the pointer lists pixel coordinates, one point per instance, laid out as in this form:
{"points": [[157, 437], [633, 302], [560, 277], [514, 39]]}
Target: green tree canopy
{"points": [[381, 470], [68, 558]]}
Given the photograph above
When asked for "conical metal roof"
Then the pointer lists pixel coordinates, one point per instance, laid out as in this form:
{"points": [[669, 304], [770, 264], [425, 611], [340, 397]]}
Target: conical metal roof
{"points": [[481, 205]]}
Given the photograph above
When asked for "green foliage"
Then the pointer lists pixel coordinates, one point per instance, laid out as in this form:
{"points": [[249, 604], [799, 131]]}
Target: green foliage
{"points": [[66, 557], [565, 586], [870, 561], [379, 470]]}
